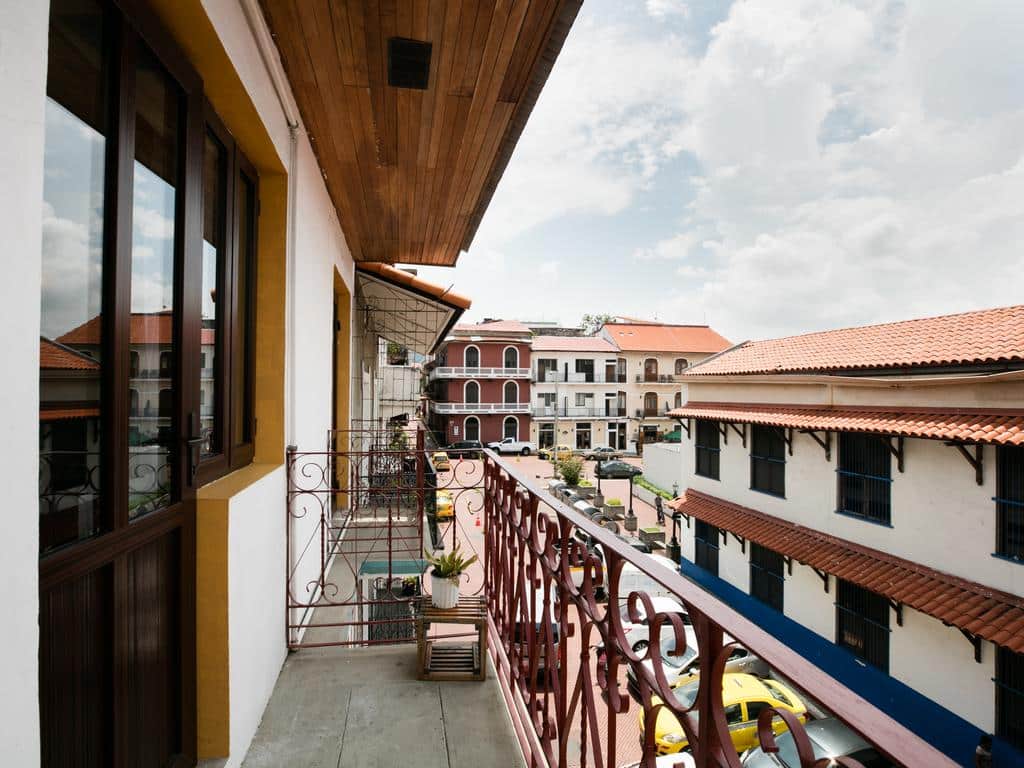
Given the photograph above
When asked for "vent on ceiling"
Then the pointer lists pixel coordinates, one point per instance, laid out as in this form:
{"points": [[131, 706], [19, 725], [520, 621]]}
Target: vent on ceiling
{"points": [[408, 63]]}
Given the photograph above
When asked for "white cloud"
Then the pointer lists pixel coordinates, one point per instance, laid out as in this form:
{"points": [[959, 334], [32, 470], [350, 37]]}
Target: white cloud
{"points": [[861, 161], [549, 269], [603, 126], [659, 9]]}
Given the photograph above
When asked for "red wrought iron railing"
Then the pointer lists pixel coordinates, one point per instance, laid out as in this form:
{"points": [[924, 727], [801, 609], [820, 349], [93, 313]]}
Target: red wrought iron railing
{"points": [[562, 655]]}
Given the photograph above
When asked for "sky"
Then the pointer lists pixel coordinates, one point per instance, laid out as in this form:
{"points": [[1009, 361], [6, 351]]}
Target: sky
{"points": [[768, 167]]}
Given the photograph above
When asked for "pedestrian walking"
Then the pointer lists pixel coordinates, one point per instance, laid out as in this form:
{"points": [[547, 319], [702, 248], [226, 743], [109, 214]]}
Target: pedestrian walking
{"points": [[660, 510], [983, 752]]}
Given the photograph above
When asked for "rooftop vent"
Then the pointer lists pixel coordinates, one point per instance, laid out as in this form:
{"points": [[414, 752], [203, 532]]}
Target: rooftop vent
{"points": [[408, 63]]}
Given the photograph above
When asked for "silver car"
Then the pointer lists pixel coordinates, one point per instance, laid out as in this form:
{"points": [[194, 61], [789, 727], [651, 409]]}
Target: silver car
{"points": [[829, 737]]}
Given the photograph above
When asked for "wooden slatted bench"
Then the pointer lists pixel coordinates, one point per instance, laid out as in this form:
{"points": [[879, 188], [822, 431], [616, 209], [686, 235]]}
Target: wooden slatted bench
{"points": [[449, 660]]}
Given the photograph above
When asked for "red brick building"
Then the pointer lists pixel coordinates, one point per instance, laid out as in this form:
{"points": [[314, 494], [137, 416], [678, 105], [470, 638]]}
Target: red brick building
{"points": [[480, 383]]}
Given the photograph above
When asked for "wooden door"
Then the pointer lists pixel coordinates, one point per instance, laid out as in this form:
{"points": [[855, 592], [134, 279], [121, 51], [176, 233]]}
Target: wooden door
{"points": [[119, 412]]}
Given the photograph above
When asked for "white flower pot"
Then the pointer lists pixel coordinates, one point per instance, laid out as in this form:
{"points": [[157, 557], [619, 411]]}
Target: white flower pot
{"points": [[444, 591]]}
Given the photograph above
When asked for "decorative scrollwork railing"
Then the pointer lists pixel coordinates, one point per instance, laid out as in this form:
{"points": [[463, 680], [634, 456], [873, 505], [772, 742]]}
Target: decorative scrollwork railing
{"points": [[562, 675]]}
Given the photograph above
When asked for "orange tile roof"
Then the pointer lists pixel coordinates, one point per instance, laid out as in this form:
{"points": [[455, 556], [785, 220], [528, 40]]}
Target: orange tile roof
{"points": [[1000, 427], [987, 613], [56, 357], [57, 414], [572, 344], [409, 280], [986, 336], [146, 328], [648, 337]]}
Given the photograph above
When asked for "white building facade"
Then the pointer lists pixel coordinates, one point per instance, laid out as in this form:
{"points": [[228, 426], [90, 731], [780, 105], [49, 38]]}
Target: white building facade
{"points": [[861, 494]]}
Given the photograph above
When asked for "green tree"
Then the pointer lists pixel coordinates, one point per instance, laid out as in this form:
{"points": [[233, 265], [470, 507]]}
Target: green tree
{"points": [[591, 323]]}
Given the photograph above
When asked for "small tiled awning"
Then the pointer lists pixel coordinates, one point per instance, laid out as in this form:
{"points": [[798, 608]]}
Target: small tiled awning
{"points": [[59, 414], [1002, 427], [977, 610]]}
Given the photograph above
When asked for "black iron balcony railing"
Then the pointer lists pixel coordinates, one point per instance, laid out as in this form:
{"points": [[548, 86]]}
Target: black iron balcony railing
{"points": [[658, 378], [576, 377]]}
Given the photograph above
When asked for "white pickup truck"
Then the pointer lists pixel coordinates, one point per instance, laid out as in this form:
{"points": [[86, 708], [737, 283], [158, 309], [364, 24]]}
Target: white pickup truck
{"points": [[508, 445]]}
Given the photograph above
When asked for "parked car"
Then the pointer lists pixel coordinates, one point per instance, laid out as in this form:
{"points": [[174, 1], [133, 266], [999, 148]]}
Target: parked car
{"points": [[441, 462], [559, 452], [508, 445], [466, 449], [616, 470], [677, 667], [444, 505], [743, 696], [829, 737], [638, 633], [604, 453]]}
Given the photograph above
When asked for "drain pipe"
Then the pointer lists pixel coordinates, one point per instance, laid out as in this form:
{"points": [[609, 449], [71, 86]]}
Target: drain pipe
{"points": [[272, 63]]}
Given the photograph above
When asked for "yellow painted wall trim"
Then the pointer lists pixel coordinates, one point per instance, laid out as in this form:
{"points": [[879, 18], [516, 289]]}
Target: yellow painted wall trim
{"points": [[192, 29]]}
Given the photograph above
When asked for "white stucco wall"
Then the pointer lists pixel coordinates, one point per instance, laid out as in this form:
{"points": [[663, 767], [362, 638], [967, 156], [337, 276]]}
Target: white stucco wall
{"points": [[806, 601], [23, 47], [663, 465], [256, 532], [938, 662]]}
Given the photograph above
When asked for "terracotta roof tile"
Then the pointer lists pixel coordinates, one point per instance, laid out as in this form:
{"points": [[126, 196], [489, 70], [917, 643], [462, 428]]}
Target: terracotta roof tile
{"points": [[58, 414], [986, 336], [649, 337], [962, 426], [146, 328], [988, 613], [409, 280], [57, 357], [572, 344]]}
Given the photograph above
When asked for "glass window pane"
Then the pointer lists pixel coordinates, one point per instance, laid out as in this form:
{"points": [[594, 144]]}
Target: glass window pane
{"points": [[214, 205], [72, 327], [245, 287], [153, 435]]}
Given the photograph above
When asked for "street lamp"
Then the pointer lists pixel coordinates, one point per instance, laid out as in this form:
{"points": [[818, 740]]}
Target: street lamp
{"points": [[673, 551]]}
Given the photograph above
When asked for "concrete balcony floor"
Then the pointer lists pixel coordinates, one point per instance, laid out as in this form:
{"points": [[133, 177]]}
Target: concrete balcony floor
{"points": [[364, 708]]}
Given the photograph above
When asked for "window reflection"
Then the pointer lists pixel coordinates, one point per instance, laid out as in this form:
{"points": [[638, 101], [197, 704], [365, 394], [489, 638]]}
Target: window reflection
{"points": [[214, 241], [152, 436], [70, 505]]}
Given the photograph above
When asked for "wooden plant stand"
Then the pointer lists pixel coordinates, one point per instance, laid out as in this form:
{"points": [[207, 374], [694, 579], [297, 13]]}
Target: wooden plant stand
{"points": [[448, 660]]}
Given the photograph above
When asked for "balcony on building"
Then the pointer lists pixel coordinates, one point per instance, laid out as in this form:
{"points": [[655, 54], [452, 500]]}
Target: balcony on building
{"points": [[462, 372]]}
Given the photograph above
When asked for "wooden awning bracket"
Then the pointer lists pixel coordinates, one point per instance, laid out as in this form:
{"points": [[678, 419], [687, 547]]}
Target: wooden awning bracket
{"points": [[898, 608], [823, 576], [975, 641], [825, 443], [740, 539], [723, 430], [684, 424], [976, 461], [789, 563], [742, 433], [787, 436], [895, 450]]}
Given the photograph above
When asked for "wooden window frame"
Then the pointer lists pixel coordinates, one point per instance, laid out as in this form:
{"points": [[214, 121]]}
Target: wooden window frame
{"points": [[713, 452], [767, 576], [865, 623], [233, 333], [771, 440], [871, 484], [702, 546], [1009, 695], [1009, 501]]}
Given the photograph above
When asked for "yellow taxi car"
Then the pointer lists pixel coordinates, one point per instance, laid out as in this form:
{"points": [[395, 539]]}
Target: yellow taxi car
{"points": [[743, 696], [441, 462], [558, 453], [444, 506]]}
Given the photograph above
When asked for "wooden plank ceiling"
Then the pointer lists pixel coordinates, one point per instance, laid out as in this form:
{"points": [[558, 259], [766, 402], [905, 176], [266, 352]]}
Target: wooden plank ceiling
{"points": [[412, 171]]}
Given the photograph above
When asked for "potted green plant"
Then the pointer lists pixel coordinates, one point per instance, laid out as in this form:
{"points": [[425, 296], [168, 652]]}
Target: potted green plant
{"points": [[615, 508], [444, 578], [571, 469], [586, 489]]}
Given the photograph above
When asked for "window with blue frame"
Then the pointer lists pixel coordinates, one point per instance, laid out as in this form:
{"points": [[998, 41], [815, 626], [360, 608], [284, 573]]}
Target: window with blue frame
{"points": [[766, 577], [768, 460], [707, 449], [862, 624], [705, 539], [865, 477], [1010, 501], [1010, 696]]}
